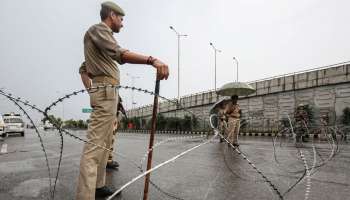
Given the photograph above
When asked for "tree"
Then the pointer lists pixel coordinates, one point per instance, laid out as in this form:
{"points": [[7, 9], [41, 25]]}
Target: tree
{"points": [[172, 123], [161, 122], [310, 113], [81, 124], [346, 116], [186, 123], [194, 122], [76, 124], [54, 121]]}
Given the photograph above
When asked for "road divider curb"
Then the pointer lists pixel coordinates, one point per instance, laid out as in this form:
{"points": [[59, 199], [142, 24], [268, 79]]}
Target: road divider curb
{"points": [[209, 132]]}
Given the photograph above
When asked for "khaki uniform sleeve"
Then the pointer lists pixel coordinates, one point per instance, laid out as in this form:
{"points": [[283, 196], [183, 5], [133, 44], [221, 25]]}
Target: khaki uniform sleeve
{"points": [[105, 41], [238, 112], [82, 68], [226, 109]]}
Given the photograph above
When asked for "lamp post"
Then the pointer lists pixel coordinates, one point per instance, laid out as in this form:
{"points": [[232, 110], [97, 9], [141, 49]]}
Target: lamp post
{"points": [[235, 59], [133, 103], [215, 52], [178, 60]]}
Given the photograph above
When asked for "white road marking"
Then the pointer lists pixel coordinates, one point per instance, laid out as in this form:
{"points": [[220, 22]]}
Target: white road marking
{"points": [[3, 148]]}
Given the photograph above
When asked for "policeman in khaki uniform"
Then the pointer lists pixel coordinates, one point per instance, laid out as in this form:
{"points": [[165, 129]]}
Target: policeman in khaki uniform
{"points": [[233, 113], [101, 52]]}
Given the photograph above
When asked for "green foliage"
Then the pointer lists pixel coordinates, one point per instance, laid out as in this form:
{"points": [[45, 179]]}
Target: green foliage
{"points": [[172, 123], [285, 122], [346, 116], [135, 121], [56, 121], [310, 113], [161, 122], [195, 122], [188, 123], [76, 124], [124, 123], [243, 124]]}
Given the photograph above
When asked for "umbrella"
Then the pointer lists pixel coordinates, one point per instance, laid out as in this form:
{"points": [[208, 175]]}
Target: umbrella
{"points": [[235, 88], [214, 109]]}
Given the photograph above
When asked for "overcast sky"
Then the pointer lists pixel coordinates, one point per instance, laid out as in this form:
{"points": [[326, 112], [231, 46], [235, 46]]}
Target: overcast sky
{"points": [[42, 43]]}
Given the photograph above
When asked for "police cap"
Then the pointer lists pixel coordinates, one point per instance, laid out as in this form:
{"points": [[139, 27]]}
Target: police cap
{"points": [[113, 6]]}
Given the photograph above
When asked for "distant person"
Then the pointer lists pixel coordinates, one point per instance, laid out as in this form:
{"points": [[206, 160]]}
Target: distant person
{"points": [[324, 127], [233, 113], [221, 121], [102, 53], [301, 124]]}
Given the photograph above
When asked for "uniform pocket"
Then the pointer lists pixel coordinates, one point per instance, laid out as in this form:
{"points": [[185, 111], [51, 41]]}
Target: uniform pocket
{"points": [[95, 94], [93, 99]]}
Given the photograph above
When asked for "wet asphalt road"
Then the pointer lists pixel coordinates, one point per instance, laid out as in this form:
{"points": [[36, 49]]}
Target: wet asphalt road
{"points": [[212, 172]]}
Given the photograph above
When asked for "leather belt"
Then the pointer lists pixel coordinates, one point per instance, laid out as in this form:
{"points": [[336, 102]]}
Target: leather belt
{"points": [[105, 79]]}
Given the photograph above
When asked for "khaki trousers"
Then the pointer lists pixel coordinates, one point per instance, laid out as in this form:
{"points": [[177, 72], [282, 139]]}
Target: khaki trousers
{"points": [[94, 159], [118, 120], [233, 129], [110, 154], [222, 128]]}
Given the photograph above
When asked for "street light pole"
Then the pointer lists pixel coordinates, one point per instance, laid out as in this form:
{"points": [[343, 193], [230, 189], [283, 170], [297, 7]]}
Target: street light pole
{"points": [[178, 60], [235, 59], [215, 52], [133, 103]]}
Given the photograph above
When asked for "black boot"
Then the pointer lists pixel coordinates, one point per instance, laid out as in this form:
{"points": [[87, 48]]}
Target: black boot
{"points": [[235, 144], [112, 165], [105, 191]]}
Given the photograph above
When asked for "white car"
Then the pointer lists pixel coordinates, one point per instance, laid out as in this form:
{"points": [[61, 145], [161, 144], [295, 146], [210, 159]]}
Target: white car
{"points": [[13, 124], [2, 126], [48, 126]]}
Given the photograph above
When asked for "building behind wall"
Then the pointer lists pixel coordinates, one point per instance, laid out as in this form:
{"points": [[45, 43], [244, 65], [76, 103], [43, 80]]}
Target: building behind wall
{"points": [[326, 90]]}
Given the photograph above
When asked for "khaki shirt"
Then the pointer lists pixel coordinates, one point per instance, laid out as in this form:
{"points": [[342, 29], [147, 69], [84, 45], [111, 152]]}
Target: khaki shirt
{"points": [[101, 50], [221, 113], [232, 111]]}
